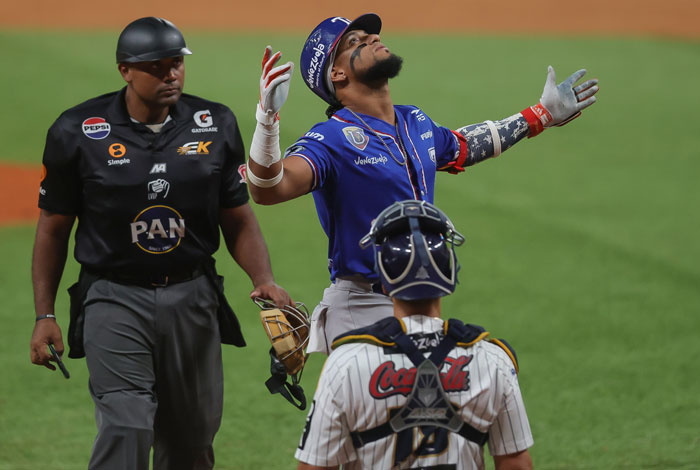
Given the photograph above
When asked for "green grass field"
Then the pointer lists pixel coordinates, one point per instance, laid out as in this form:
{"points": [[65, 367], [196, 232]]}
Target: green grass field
{"points": [[582, 243]]}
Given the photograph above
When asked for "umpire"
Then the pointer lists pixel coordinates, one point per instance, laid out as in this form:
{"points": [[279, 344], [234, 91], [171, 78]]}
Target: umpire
{"points": [[151, 175]]}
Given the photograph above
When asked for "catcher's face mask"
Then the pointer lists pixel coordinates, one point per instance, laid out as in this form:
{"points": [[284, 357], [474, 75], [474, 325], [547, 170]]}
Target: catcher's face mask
{"points": [[287, 328], [414, 250]]}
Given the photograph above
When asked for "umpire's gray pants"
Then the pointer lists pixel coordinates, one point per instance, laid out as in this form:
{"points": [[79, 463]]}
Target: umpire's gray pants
{"points": [[154, 357]]}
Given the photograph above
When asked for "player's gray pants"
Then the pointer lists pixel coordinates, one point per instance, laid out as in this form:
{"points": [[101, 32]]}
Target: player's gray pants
{"points": [[154, 357], [346, 305]]}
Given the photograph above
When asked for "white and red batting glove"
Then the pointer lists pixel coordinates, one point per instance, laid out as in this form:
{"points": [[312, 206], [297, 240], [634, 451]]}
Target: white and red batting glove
{"points": [[560, 104], [274, 87]]}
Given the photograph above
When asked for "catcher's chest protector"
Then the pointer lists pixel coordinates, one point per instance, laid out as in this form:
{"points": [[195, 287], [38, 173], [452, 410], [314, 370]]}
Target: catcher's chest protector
{"points": [[428, 405]]}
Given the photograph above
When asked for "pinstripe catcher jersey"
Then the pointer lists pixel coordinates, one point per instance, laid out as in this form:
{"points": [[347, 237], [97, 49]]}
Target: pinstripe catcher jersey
{"points": [[363, 384], [356, 174]]}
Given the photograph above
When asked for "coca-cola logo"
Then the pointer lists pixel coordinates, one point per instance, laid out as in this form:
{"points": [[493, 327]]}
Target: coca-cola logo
{"points": [[387, 381]]}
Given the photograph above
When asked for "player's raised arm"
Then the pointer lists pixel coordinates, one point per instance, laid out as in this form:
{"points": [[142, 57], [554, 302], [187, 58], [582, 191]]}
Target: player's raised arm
{"points": [[270, 181], [559, 105]]}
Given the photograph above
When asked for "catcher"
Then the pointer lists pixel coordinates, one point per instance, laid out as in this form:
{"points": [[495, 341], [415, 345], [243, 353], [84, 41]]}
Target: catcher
{"points": [[414, 390]]}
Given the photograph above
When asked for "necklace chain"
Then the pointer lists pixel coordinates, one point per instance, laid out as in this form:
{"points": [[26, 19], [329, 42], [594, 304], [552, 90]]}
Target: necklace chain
{"points": [[405, 158]]}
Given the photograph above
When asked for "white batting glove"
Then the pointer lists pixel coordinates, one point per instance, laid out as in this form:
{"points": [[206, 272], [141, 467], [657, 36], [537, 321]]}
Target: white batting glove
{"points": [[560, 104], [274, 87]]}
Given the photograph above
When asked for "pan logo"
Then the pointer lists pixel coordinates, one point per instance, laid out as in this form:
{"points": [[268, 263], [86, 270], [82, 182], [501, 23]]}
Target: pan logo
{"points": [[96, 128], [158, 229]]}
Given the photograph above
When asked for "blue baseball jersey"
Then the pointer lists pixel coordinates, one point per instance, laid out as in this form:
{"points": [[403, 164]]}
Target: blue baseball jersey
{"points": [[356, 176]]}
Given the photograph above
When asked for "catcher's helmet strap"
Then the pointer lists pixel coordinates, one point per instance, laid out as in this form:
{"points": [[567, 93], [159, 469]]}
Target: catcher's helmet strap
{"points": [[383, 332], [293, 392], [428, 405]]}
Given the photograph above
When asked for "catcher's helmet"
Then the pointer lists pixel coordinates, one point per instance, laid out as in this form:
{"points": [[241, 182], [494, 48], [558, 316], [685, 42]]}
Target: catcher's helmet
{"points": [[320, 47], [414, 250], [148, 39]]}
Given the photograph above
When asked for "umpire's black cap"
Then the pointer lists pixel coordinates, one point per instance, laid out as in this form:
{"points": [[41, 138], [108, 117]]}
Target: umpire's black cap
{"points": [[149, 39]]}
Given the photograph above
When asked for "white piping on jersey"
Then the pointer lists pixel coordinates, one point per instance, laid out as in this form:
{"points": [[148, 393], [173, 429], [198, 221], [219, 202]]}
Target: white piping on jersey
{"points": [[422, 171], [314, 169], [393, 139]]}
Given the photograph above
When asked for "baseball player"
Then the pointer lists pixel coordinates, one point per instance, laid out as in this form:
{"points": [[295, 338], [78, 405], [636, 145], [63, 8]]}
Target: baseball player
{"points": [[152, 175], [371, 153], [412, 390]]}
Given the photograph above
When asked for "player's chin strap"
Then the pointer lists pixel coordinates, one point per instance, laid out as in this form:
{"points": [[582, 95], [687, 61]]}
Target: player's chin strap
{"points": [[427, 406], [292, 392]]}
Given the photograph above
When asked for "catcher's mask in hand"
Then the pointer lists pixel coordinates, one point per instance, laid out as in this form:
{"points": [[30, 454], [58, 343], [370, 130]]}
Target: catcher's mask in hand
{"points": [[287, 328]]}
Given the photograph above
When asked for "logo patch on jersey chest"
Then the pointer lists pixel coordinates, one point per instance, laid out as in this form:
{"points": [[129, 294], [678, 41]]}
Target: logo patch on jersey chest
{"points": [[158, 229], [96, 128], [204, 121], [195, 148], [387, 381], [356, 136]]}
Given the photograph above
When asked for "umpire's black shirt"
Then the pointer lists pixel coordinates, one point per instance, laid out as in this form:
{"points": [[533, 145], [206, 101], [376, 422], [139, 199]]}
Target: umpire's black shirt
{"points": [[146, 202]]}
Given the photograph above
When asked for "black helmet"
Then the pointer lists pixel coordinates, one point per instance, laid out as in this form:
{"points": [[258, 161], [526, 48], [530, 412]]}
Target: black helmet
{"points": [[149, 39]]}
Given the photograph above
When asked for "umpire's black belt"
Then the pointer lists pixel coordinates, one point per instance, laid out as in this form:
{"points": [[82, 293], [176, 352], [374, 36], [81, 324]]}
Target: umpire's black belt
{"points": [[150, 280]]}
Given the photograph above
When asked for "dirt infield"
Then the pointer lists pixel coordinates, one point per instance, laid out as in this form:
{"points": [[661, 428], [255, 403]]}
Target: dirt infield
{"points": [[19, 193], [670, 18]]}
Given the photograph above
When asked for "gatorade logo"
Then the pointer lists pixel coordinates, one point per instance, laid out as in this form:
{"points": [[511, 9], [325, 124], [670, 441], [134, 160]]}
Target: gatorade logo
{"points": [[203, 118], [96, 128], [158, 229]]}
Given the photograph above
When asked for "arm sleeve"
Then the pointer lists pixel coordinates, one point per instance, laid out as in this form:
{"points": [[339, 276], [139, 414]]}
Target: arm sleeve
{"points": [[233, 189], [486, 140], [61, 185], [510, 432], [326, 439]]}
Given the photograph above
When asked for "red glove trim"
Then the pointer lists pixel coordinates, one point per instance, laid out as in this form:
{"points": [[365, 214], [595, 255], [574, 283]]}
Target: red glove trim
{"points": [[457, 165], [537, 117]]}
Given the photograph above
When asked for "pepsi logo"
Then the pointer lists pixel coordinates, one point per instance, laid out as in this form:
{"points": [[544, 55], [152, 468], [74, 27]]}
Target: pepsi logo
{"points": [[96, 128]]}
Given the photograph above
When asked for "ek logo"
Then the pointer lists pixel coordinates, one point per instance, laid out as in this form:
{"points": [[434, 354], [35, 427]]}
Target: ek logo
{"points": [[195, 148]]}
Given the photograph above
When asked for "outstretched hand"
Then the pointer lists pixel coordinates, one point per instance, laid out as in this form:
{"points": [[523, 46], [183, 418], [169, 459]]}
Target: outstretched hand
{"points": [[564, 102], [274, 86]]}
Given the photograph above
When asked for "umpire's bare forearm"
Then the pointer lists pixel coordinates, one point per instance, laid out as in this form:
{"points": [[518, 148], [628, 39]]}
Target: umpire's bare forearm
{"points": [[49, 258], [246, 244]]}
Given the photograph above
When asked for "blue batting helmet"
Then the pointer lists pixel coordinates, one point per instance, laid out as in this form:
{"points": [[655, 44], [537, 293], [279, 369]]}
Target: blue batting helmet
{"points": [[320, 47], [414, 250]]}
